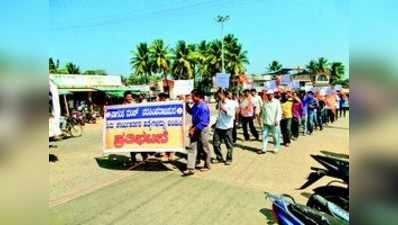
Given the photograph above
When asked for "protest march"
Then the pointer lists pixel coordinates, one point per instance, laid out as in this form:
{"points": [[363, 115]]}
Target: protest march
{"points": [[159, 127]]}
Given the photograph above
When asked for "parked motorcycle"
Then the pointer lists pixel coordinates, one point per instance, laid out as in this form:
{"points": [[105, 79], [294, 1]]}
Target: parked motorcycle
{"points": [[87, 116], [338, 194], [286, 211], [72, 127], [79, 116]]}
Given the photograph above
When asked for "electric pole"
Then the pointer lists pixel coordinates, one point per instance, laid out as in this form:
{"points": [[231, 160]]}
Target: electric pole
{"points": [[222, 20]]}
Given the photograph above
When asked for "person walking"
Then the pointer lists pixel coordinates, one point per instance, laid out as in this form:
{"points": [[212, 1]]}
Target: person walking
{"points": [[234, 98], [247, 115], [312, 105], [297, 111], [223, 127], [271, 113], [257, 102], [198, 133], [129, 99], [304, 118], [287, 115], [345, 104]]}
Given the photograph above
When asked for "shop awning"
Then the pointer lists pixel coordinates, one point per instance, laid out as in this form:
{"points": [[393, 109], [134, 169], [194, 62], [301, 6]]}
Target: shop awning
{"points": [[64, 92], [119, 91], [71, 90]]}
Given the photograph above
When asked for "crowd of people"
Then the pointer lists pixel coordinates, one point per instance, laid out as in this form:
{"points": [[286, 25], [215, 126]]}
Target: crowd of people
{"points": [[285, 115]]}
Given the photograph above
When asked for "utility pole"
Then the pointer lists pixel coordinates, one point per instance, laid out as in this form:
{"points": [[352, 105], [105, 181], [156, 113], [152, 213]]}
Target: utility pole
{"points": [[222, 20]]}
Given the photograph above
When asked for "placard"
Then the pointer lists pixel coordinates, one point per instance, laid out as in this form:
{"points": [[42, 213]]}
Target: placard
{"points": [[146, 127], [270, 85], [183, 87], [221, 80]]}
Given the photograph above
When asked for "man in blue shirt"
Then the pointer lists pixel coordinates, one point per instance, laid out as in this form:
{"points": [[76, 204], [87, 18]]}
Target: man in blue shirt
{"points": [[199, 132]]}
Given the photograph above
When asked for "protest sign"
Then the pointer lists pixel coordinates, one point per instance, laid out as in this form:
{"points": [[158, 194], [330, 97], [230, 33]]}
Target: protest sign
{"points": [[270, 85], [338, 87], [221, 80], [147, 127], [248, 84], [285, 79], [308, 88], [294, 84], [182, 87]]}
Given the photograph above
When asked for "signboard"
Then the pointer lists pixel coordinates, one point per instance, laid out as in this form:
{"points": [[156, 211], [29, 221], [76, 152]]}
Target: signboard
{"points": [[183, 87], [222, 80], [147, 127], [68, 81]]}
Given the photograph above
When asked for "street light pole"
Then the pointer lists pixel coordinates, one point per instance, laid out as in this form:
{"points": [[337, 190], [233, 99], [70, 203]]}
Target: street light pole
{"points": [[221, 20]]}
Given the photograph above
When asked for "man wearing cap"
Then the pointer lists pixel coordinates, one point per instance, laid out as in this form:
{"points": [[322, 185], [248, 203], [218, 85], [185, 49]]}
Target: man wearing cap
{"points": [[271, 114]]}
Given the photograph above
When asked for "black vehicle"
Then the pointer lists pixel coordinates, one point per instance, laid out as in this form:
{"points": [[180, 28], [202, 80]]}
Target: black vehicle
{"points": [[334, 167]]}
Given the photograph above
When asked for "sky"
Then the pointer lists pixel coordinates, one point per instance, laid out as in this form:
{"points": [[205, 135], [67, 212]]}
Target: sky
{"points": [[101, 34]]}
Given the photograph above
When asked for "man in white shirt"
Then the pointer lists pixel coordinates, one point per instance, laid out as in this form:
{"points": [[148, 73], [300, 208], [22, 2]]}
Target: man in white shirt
{"points": [[258, 102], [223, 127], [271, 114]]}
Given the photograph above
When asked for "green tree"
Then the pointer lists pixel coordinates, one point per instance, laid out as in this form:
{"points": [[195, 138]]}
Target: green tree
{"points": [[274, 66], [322, 65], [53, 67], [141, 61], [214, 57], [95, 72], [183, 61], [235, 57], [72, 68], [160, 56], [336, 72]]}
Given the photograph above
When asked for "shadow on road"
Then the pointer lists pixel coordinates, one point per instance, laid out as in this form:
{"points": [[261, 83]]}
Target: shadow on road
{"points": [[268, 214], [114, 162], [122, 162], [341, 128], [245, 147]]}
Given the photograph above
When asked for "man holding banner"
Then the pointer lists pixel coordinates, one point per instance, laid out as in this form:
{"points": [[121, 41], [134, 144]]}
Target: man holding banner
{"points": [[198, 133]]}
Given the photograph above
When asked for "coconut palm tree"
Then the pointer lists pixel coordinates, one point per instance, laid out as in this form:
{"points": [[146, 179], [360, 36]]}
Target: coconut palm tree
{"points": [[274, 66], [235, 58], [141, 61], [72, 68], [322, 65], [53, 67], [182, 62], [336, 72], [214, 57], [160, 57]]}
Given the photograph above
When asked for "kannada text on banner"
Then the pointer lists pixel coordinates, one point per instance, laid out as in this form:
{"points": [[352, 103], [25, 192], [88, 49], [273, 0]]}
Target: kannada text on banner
{"points": [[146, 127]]}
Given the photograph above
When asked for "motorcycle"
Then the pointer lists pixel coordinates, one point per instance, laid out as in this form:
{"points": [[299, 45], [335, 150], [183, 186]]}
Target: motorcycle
{"points": [[338, 194], [72, 127], [79, 116], [286, 211], [87, 116]]}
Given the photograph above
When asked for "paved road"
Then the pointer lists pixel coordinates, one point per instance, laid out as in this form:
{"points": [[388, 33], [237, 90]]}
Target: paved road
{"points": [[88, 188]]}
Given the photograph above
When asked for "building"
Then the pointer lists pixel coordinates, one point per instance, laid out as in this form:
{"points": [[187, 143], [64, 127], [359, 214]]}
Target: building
{"points": [[95, 91], [303, 76]]}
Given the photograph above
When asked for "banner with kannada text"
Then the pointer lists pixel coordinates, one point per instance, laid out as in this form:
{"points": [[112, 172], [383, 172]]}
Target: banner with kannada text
{"points": [[146, 127]]}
